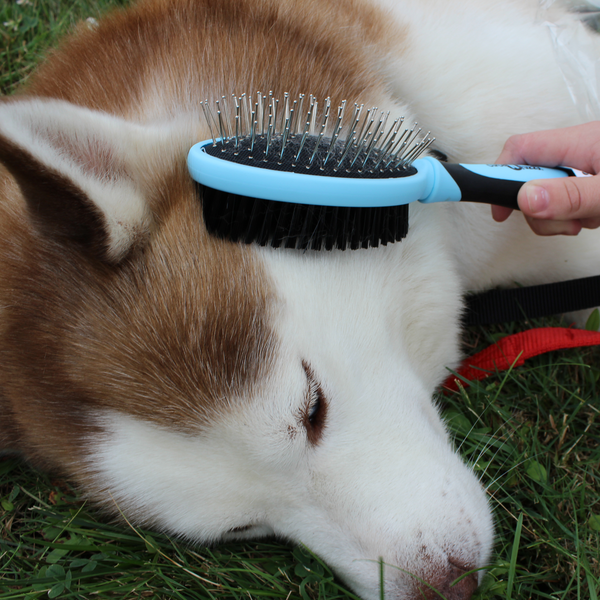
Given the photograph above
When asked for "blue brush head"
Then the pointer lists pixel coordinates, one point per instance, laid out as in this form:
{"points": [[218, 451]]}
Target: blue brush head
{"points": [[278, 174]]}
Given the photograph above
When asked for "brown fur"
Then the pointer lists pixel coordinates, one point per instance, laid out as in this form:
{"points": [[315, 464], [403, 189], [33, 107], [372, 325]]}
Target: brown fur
{"points": [[178, 46], [179, 328], [165, 336]]}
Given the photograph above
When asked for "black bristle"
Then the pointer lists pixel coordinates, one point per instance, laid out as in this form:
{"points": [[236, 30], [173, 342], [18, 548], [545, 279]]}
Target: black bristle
{"points": [[278, 224]]}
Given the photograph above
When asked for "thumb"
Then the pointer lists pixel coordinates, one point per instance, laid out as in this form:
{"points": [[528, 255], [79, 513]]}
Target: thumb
{"points": [[561, 199]]}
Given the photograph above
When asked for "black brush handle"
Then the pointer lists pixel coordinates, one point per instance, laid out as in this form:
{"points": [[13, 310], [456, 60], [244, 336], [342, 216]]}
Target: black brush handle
{"points": [[495, 188], [484, 190]]}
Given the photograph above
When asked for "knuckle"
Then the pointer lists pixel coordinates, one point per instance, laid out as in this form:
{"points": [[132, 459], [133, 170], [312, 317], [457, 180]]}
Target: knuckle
{"points": [[574, 196], [513, 143]]}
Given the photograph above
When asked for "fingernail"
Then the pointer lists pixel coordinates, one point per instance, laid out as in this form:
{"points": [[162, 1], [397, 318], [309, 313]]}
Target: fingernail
{"points": [[537, 198]]}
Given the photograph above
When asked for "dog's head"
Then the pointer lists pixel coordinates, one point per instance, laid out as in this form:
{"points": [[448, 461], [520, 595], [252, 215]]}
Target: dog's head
{"points": [[221, 392]]}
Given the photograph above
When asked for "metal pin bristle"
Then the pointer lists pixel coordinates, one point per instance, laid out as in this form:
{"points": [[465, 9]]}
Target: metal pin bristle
{"points": [[301, 132]]}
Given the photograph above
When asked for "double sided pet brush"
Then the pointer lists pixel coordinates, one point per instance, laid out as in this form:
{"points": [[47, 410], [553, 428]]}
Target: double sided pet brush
{"points": [[292, 173]]}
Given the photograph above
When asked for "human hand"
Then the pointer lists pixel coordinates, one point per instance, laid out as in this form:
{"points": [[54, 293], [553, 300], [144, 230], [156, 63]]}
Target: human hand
{"points": [[564, 205]]}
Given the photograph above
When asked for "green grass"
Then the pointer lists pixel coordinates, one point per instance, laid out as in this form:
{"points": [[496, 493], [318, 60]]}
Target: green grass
{"points": [[29, 27], [533, 435], [52, 546]]}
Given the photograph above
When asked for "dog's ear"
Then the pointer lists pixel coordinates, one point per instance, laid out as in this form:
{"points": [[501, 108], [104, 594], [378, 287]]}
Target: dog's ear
{"points": [[79, 172]]}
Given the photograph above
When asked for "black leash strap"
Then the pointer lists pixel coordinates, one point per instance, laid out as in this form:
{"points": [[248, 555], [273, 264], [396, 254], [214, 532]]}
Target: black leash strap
{"points": [[518, 304]]}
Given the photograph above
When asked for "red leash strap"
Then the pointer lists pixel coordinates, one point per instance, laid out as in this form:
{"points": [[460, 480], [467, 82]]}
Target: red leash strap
{"points": [[514, 350]]}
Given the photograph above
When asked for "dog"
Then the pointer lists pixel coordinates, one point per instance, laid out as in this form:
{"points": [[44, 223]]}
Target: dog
{"points": [[220, 391]]}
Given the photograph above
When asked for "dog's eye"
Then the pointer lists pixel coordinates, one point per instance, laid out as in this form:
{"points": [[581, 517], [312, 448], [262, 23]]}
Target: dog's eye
{"points": [[315, 410], [314, 413], [240, 529]]}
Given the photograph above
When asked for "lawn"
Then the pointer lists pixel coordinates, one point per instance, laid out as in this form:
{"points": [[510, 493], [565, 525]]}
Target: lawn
{"points": [[532, 434]]}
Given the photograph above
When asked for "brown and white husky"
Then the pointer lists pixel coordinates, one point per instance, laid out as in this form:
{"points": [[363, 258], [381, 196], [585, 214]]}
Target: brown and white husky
{"points": [[218, 391]]}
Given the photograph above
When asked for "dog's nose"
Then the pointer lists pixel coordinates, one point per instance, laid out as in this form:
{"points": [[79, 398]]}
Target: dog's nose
{"points": [[445, 583]]}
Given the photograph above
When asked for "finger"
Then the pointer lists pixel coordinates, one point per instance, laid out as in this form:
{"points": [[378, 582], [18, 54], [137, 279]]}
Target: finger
{"points": [[577, 147], [545, 227], [512, 152], [561, 199], [592, 223], [500, 213]]}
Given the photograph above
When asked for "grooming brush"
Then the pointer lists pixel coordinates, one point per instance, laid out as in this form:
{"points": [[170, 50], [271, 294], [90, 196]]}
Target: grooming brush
{"points": [[293, 174]]}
